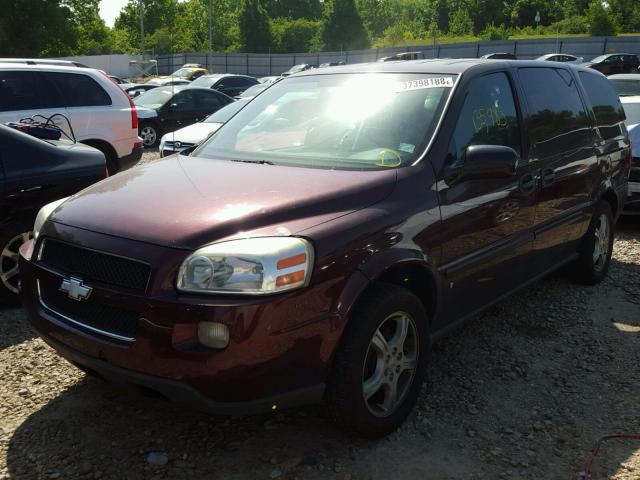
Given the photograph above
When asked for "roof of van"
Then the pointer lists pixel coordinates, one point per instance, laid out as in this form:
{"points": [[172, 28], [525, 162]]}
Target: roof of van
{"points": [[53, 68], [439, 65]]}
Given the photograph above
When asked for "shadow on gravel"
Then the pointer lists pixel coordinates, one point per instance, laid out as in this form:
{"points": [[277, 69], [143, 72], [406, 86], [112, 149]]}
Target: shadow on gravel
{"points": [[92, 431], [14, 327]]}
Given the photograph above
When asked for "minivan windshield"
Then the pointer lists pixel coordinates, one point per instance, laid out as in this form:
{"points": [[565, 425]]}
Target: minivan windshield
{"points": [[154, 98], [368, 121]]}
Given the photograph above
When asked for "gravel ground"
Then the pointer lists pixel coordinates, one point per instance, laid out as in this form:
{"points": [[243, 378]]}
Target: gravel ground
{"points": [[522, 392]]}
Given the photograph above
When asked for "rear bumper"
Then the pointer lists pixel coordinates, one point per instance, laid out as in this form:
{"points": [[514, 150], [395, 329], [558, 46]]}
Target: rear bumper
{"points": [[128, 161], [182, 393]]}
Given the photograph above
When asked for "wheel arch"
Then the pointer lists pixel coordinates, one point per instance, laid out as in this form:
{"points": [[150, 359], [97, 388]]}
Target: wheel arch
{"points": [[404, 268], [110, 154], [611, 196]]}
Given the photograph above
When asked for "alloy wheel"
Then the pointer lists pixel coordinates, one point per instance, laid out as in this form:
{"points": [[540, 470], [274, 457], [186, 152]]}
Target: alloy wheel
{"points": [[390, 364], [9, 261], [601, 244], [148, 135]]}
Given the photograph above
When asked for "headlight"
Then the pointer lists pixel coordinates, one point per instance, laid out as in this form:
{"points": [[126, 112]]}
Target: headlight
{"points": [[43, 214], [252, 266]]}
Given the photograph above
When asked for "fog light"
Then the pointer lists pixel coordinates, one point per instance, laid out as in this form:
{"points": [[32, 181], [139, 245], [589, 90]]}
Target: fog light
{"points": [[213, 334]]}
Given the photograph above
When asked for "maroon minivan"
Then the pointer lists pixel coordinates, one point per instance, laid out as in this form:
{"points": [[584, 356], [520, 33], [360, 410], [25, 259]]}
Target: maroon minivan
{"points": [[314, 247]]}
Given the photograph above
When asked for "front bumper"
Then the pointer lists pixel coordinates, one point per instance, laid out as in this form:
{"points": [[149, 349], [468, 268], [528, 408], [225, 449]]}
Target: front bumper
{"points": [[128, 161], [182, 393], [279, 351]]}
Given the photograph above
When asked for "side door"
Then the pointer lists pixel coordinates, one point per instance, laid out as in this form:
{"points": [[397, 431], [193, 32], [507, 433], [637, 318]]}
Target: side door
{"points": [[180, 111], [487, 216], [27, 93], [562, 138]]}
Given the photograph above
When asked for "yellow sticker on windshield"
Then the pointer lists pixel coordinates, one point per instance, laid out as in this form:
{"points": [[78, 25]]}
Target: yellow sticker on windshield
{"points": [[420, 83]]}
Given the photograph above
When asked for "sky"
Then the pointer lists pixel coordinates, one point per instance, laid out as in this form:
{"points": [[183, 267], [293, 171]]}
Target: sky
{"points": [[109, 10]]}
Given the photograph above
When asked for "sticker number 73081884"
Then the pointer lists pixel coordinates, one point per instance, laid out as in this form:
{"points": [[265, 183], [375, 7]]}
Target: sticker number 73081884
{"points": [[419, 83]]}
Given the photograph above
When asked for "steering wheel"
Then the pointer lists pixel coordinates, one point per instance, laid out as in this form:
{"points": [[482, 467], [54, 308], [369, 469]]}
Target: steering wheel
{"points": [[389, 158]]}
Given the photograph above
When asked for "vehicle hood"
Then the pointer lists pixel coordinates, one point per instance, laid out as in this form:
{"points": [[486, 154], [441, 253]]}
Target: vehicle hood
{"points": [[193, 133], [588, 64], [187, 202], [145, 112]]}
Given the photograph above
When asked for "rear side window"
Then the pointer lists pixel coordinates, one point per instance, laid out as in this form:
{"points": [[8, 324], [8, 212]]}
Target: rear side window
{"points": [[558, 120], [208, 102], [79, 90], [606, 104], [488, 117], [18, 91]]}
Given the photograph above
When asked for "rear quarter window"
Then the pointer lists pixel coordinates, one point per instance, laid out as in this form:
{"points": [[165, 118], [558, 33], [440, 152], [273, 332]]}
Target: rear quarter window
{"points": [[605, 103], [79, 90], [558, 120]]}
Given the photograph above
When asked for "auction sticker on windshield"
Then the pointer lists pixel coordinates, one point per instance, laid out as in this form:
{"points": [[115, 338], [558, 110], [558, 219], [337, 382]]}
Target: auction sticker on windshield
{"points": [[420, 83]]}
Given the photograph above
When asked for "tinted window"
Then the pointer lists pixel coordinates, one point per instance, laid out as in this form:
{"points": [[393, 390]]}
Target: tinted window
{"points": [[18, 90], [232, 82], [79, 90], [185, 101], [208, 102], [605, 103], [558, 120], [488, 117], [626, 87]]}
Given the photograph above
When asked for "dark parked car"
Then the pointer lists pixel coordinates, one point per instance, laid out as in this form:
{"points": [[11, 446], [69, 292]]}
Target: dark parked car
{"points": [[615, 63], [314, 246], [34, 173], [165, 109], [499, 56], [627, 84], [229, 84]]}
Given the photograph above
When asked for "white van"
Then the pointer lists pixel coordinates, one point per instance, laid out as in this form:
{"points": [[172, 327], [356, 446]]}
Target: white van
{"points": [[100, 112]]}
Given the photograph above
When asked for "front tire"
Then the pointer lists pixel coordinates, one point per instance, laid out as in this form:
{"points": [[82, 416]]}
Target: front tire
{"points": [[150, 134], [597, 245], [12, 237], [381, 363]]}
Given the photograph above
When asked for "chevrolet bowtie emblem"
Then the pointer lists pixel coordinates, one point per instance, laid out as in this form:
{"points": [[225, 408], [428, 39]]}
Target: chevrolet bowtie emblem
{"points": [[75, 289]]}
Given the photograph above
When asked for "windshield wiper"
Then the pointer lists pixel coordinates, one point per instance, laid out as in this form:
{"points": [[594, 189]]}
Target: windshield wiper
{"points": [[260, 162]]}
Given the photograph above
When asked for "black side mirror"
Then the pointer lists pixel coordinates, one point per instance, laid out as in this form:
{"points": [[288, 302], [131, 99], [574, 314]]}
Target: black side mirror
{"points": [[489, 161]]}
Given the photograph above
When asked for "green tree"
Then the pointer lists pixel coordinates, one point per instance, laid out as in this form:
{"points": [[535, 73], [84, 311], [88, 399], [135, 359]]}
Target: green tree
{"points": [[460, 23], [37, 28], [93, 36], [600, 20], [343, 28], [290, 36], [294, 9], [255, 29], [626, 14], [156, 13]]}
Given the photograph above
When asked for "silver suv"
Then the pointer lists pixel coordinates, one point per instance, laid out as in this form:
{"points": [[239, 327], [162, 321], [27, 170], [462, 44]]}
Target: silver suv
{"points": [[100, 112]]}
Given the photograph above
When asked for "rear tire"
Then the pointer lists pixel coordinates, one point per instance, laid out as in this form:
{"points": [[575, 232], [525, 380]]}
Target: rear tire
{"points": [[13, 235], [597, 245], [380, 364]]}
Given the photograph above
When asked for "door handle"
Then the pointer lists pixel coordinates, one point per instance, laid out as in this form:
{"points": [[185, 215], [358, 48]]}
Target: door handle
{"points": [[527, 183], [548, 177]]}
